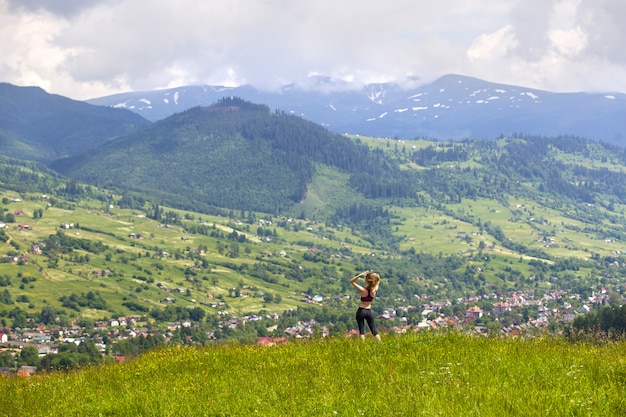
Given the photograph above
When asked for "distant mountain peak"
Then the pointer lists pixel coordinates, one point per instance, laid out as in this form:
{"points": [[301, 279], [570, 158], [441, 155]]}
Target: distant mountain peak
{"points": [[451, 107]]}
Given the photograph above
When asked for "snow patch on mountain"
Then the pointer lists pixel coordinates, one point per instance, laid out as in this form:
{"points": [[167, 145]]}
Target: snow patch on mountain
{"points": [[452, 107]]}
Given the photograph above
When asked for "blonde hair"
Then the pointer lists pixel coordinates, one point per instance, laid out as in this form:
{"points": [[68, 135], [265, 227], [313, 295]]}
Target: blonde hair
{"points": [[372, 279]]}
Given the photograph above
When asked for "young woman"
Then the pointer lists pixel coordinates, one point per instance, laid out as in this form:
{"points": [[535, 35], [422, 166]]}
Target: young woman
{"points": [[364, 313]]}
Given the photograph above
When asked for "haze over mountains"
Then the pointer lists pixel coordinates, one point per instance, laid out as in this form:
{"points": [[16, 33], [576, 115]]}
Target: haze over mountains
{"points": [[452, 107]]}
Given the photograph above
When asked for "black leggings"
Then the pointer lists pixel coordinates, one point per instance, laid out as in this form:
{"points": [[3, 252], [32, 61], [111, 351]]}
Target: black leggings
{"points": [[363, 315]]}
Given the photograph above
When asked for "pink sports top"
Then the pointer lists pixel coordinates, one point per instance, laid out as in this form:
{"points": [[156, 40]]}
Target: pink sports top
{"points": [[368, 297]]}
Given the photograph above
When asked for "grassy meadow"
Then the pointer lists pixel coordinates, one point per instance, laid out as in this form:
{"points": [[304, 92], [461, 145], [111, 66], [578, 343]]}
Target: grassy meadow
{"points": [[426, 374]]}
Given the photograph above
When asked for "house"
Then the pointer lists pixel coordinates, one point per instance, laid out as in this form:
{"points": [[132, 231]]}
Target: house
{"points": [[4, 338], [473, 313], [36, 337], [269, 341], [36, 248], [48, 350], [500, 307], [173, 326], [567, 317], [265, 341]]}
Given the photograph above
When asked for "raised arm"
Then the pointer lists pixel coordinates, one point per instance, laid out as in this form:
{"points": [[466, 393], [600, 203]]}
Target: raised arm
{"points": [[355, 284]]}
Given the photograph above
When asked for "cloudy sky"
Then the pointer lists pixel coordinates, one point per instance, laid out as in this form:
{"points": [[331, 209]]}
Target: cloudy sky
{"points": [[90, 48]]}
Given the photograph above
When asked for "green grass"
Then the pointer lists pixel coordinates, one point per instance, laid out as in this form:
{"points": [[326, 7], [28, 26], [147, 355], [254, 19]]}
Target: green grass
{"points": [[411, 375], [522, 221]]}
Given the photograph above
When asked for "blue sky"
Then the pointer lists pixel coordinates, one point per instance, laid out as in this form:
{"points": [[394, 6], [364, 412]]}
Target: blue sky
{"points": [[90, 48]]}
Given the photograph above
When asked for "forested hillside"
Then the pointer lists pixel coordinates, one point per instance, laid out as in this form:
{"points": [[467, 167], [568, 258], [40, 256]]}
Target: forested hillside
{"points": [[234, 154], [40, 126]]}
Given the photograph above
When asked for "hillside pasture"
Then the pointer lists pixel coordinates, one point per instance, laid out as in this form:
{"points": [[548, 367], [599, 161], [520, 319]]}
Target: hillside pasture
{"points": [[425, 374]]}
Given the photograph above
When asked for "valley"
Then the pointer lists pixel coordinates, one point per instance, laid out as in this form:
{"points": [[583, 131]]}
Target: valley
{"points": [[89, 259], [235, 222]]}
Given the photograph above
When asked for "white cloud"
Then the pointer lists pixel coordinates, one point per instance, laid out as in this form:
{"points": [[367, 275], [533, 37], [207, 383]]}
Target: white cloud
{"points": [[493, 46], [89, 48], [568, 42]]}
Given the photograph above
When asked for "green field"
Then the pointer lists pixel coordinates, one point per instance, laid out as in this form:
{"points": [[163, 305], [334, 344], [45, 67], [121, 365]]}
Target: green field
{"points": [[412, 375]]}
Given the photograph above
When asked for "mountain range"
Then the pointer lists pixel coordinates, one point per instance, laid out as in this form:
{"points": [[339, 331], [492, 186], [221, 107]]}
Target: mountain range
{"points": [[452, 107], [242, 155]]}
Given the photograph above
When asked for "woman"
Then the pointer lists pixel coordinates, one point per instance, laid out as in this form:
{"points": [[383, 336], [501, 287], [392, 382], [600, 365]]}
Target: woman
{"points": [[364, 313]]}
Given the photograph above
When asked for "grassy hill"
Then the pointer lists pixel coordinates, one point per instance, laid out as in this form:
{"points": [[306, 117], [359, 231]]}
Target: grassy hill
{"points": [[424, 374]]}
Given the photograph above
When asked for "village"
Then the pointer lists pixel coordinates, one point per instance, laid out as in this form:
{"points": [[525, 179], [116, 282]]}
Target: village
{"points": [[517, 314]]}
